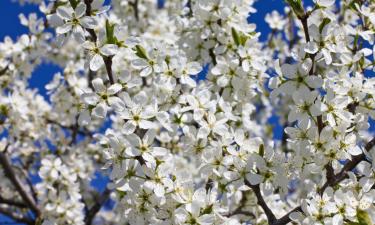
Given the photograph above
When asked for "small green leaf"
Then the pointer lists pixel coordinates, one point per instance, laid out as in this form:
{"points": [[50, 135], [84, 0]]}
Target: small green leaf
{"points": [[110, 32], [297, 7], [261, 150], [323, 24], [74, 3], [363, 218], [140, 52], [236, 37]]}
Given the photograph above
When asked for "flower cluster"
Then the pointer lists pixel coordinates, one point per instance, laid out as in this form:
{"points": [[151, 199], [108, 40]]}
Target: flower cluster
{"points": [[173, 102]]}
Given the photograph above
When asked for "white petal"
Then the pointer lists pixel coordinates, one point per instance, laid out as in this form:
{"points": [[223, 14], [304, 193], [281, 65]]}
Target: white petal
{"points": [[314, 81], [194, 68], [289, 71], [88, 22], [90, 98], [158, 151], [96, 62], [64, 28], [65, 12], [98, 85], [129, 127], [149, 137], [114, 88], [80, 10], [84, 118], [109, 49], [145, 124], [311, 47], [146, 71], [254, 179], [132, 152], [54, 20], [100, 110], [325, 3], [116, 103]]}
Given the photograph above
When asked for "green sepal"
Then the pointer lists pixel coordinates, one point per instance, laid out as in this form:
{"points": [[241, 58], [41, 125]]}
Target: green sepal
{"points": [[140, 52], [363, 218], [261, 150], [323, 24], [74, 3], [297, 7], [110, 32], [236, 37]]}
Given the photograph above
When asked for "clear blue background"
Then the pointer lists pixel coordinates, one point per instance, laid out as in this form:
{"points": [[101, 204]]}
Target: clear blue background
{"points": [[10, 26]]}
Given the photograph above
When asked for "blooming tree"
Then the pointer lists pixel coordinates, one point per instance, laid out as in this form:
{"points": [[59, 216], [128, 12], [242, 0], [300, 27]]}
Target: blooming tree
{"points": [[177, 148]]}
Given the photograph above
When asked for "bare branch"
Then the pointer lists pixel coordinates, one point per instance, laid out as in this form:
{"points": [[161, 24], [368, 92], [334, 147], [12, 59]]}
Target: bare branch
{"points": [[270, 216], [12, 202], [97, 206]]}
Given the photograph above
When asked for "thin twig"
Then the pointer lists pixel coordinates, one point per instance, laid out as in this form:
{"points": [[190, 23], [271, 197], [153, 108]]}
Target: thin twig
{"points": [[12, 202], [10, 173]]}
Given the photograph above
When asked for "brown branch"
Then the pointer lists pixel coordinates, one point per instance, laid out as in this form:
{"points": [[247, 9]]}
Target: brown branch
{"points": [[97, 206], [134, 5], [270, 216], [12, 202], [285, 219], [334, 180], [92, 33], [71, 127], [11, 175], [108, 67], [349, 166], [312, 57]]}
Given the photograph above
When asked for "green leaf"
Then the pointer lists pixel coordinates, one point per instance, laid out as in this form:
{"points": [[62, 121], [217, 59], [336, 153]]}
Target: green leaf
{"points": [[236, 37], [323, 24], [74, 3], [140, 52], [363, 218], [297, 7], [261, 150], [352, 4], [110, 32]]}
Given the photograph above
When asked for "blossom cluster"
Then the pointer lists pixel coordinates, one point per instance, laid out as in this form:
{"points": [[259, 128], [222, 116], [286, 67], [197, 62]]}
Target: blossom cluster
{"points": [[173, 102]]}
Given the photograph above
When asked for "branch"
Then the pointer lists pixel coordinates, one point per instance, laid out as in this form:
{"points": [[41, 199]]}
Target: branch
{"points": [[312, 57], [16, 216], [285, 219], [12, 202], [270, 216], [349, 166], [96, 207], [334, 180], [9, 172], [135, 8]]}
